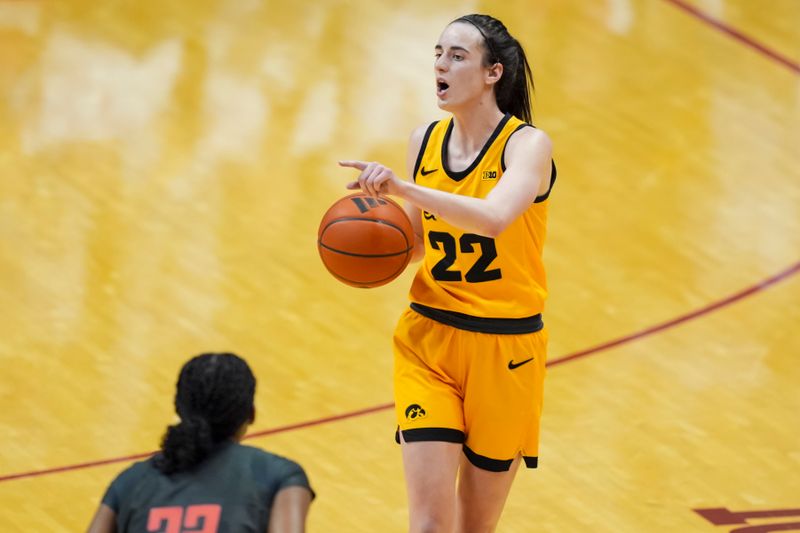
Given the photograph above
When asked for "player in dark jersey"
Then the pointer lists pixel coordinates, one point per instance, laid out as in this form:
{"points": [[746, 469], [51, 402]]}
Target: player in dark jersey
{"points": [[203, 479], [470, 352]]}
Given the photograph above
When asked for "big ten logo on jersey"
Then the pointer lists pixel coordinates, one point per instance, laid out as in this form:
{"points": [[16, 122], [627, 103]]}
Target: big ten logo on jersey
{"points": [[365, 204], [190, 519], [766, 520], [489, 175]]}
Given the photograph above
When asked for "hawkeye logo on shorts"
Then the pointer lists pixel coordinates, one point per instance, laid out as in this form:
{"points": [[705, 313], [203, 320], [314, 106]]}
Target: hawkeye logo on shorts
{"points": [[414, 412], [489, 175]]}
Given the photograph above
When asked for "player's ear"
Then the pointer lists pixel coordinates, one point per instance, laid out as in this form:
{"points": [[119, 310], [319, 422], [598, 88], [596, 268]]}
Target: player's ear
{"points": [[494, 73]]}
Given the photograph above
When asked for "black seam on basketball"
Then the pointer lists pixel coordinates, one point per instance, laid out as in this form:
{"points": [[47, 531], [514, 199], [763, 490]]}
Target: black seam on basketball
{"points": [[353, 254], [409, 246], [373, 220]]}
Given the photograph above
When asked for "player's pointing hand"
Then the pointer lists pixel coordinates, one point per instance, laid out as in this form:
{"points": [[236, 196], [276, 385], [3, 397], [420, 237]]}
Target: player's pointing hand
{"points": [[374, 179]]}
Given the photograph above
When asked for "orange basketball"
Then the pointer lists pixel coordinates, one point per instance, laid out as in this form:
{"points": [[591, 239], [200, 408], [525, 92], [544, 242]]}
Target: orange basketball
{"points": [[365, 241]]}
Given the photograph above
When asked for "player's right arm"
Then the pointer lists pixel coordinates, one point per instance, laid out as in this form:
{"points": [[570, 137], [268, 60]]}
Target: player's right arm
{"points": [[415, 213], [104, 521]]}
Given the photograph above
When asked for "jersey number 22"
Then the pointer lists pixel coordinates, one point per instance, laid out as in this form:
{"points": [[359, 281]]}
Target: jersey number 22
{"points": [[466, 245]]}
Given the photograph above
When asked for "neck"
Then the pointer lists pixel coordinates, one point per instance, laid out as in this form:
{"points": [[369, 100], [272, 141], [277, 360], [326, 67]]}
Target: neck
{"points": [[472, 128]]}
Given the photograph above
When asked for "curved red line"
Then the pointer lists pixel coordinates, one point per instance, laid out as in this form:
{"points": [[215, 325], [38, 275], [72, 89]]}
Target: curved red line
{"points": [[736, 34], [780, 276], [681, 319]]}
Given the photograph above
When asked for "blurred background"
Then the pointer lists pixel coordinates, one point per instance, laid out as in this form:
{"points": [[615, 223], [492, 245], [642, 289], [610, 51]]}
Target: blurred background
{"points": [[163, 169]]}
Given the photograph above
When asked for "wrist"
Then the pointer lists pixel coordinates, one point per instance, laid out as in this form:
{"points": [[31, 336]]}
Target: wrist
{"points": [[403, 187]]}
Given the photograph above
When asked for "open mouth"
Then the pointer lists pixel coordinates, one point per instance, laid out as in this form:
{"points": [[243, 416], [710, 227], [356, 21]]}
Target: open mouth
{"points": [[441, 87]]}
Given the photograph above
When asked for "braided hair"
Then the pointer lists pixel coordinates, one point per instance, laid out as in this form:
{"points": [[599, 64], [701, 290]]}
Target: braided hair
{"points": [[515, 87], [214, 397]]}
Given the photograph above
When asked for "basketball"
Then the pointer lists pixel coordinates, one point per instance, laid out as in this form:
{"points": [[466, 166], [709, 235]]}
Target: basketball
{"points": [[365, 241]]}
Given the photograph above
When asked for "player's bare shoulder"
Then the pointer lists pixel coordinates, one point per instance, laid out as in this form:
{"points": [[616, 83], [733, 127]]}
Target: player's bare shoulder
{"points": [[528, 142], [416, 137]]}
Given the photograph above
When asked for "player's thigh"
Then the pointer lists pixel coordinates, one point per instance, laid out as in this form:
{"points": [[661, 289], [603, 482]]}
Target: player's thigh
{"points": [[481, 496], [430, 472]]}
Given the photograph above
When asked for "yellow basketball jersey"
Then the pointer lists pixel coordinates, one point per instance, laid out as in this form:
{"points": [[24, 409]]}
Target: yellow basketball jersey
{"points": [[472, 274]]}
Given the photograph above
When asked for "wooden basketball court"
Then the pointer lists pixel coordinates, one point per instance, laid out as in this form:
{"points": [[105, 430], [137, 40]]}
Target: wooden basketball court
{"points": [[163, 169]]}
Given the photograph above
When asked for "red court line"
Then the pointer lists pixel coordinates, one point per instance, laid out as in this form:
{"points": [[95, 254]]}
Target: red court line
{"points": [[780, 276], [317, 421], [735, 297], [736, 34]]}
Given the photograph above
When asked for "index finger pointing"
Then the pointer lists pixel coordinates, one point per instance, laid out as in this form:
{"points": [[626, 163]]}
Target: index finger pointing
{"points": [[360, 165]]}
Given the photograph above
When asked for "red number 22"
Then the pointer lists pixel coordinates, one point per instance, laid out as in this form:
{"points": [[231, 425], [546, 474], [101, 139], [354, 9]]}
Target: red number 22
{"points": [[179, 520]]}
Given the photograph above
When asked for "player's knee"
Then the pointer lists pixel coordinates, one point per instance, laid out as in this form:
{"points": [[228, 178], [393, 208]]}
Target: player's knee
{"points": [[471, 522], [431, 523], [477, 528]]}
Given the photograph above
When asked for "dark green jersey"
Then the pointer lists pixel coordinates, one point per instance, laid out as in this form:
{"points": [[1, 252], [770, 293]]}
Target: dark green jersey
{"points": [[231, 491]]}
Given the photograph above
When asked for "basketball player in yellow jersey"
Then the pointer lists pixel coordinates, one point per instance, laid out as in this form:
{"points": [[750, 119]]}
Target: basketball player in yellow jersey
{"points": [[470, 351]]}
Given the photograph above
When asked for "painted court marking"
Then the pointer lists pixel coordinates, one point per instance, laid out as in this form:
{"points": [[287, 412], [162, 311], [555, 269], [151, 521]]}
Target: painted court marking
{"points": [[732, 32]]}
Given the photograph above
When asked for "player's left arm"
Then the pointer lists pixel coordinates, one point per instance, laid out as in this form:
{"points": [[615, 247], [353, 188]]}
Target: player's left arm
{"points": [[289, 510], [104, 521], [528, 165]]}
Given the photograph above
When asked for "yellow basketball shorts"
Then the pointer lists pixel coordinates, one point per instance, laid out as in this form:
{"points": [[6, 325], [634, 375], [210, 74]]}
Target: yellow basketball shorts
{"points": [[480, 389]]}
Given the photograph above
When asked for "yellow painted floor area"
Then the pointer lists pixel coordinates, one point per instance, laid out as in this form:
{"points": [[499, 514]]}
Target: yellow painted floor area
{"points": [[163, 169]]}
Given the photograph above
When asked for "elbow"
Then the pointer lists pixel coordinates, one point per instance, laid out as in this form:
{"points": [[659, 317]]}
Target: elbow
{"points": [[494, 220], [493, 228], [491, 232], [417, 250]]}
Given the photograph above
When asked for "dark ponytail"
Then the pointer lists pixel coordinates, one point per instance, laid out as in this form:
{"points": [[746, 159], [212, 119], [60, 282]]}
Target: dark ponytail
{"points": [[515, 87], [214, 397]]}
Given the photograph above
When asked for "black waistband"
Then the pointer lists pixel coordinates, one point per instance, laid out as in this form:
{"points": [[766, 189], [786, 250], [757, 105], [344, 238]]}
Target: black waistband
{"points": [[497, 326]]}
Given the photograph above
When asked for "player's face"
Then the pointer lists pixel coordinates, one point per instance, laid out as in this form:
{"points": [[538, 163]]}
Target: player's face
{"points": [[459, 69]]}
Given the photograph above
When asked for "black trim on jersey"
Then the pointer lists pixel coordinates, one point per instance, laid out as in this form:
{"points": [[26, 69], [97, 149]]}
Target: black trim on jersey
{"points": [[487, 463], [496, 326], [422, 149], [503, 155], [431, 434], [458, 176], [531, 462], [553, 171]]}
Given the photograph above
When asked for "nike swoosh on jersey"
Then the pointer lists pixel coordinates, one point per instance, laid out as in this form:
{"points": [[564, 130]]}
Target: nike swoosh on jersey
{"points": [[512, 365], [426, 172]]}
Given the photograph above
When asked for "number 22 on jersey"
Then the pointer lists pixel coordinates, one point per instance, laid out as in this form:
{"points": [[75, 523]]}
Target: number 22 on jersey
{"points": [[467, 243]]}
